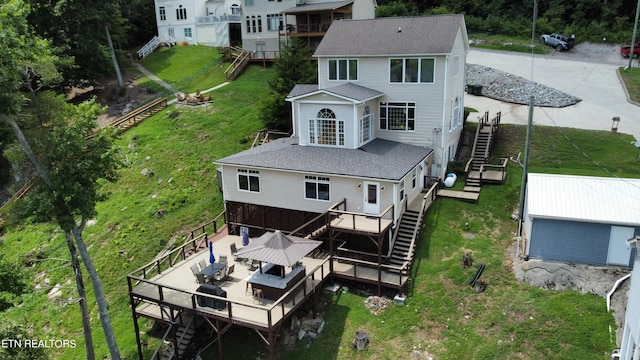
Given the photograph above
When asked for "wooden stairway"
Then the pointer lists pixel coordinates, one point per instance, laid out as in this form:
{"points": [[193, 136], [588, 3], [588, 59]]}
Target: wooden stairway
{"points": [[403, 246], [185, 335], [481, 152]]}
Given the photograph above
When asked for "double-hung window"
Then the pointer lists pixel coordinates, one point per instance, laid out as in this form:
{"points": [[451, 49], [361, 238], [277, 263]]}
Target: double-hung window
{"points": [[273, 22], [249, 180], [399, 116], [316, 188], [343, 69], [163, 13], [414, 177], [412, 70]]}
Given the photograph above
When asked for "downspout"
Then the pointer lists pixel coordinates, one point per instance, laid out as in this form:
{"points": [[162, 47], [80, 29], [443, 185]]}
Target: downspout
{"points": [[614, 288]]}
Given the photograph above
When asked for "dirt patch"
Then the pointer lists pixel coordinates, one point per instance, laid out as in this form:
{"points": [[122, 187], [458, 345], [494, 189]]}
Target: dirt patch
{"points": [[108, 93]]}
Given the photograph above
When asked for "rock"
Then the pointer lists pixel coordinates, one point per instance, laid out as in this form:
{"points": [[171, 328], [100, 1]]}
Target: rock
{"points": [[301, 334]]}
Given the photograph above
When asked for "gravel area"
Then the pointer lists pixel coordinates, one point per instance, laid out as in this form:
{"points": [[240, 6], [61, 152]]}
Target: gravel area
{"points": [[510, 88]]}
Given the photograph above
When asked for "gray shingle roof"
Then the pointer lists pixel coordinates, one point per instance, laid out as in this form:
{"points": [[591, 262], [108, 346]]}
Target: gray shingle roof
{"points": [[418, 35], [317, 7], [379, 159], [348, 90]]}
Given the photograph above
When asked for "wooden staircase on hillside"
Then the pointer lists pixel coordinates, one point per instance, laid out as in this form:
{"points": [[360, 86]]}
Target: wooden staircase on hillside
{"points": [[240, 61], [184, 335]]}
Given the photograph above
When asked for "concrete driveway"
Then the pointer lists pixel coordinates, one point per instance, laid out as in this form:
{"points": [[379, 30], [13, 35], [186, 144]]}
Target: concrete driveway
{"points": [[588, 73]]}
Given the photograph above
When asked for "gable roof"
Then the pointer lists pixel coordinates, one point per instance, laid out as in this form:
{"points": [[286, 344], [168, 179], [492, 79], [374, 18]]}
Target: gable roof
{"points": [[378, 159], [584, 198], [417, 35], [317, 7], [348, 91]]}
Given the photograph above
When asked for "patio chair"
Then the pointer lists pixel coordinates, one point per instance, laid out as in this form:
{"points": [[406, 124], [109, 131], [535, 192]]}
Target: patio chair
{"points": [[202, 264], [201, 279], [223, 259], [253, 265], [230, 271], [194, 269], [234, 250], [219, 275]]}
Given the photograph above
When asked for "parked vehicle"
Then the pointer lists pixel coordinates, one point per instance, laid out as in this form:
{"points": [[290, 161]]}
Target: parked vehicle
{"points": [[625, 50], [558, 41]]}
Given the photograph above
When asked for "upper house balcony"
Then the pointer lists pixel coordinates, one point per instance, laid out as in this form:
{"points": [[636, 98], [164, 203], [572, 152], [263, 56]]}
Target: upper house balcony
{"points": [[313, 20], [215, 19]]}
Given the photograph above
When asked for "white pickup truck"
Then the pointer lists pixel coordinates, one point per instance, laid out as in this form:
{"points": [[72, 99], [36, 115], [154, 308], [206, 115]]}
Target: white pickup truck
{"points": [[558, 41]]}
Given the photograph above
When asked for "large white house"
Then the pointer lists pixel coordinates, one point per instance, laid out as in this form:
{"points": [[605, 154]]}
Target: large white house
{"points": [[256, 25], [385, 117], [204, 22]]}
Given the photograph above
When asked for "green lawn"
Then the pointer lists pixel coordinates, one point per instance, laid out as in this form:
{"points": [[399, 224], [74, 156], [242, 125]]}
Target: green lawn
{"points": [[508, 43], [631, 78], [443, 316]]}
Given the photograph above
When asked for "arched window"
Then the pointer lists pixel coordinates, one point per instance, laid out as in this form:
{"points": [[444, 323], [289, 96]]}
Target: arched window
{"points": [[326, 114]]}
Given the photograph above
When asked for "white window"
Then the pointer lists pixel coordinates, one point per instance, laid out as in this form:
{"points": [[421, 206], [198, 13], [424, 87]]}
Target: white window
{"points": [[397, 116], [316, 188], [414, 177], [248, 180], [187, 32], [259, 23], [414, 70], [456, 65], [235, 9], [452, 153], [163, 13], [171, 32], [326, 129], [402, 190], [274, 21], [343, 69], [181, 13], [366, 125], [455, 114], [248, 3]]}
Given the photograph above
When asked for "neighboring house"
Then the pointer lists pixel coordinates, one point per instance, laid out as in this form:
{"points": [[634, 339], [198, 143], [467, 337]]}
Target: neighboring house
{"points": [[630, 345], [204, 22], [389, 101], [269, 23], [256, 25], [581, 219]]}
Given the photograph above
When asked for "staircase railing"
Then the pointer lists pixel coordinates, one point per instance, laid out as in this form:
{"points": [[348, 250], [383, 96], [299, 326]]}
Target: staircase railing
{"points": [[238, 64], [149, 47]]}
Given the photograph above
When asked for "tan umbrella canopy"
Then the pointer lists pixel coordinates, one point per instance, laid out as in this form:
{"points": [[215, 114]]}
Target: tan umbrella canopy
{"points": [[278, 248]]}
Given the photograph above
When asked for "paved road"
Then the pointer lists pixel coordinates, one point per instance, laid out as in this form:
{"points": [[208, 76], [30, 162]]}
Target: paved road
{"points": [[592, 78]]}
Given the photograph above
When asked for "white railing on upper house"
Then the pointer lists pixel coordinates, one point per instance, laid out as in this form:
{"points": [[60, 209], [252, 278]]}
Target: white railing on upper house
{"points": [[153, 44]]}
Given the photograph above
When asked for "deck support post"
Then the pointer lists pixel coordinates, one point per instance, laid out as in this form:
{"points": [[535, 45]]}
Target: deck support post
{"points": [[219, 336], [136, 327], [272, 345]]}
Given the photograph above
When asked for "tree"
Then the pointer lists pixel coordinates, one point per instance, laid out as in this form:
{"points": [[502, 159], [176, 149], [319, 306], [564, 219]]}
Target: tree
{"points": [[293, 66], [73, 166], [76, 29]]}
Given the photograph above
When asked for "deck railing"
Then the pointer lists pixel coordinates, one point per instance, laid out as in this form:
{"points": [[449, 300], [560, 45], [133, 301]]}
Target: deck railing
{"points": [[271, 314], [213, 225], [363, 264], [502, 168], [334, 211]]}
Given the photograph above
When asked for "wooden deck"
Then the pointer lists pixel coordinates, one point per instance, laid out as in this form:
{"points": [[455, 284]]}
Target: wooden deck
{"points": [[363, 271], [460, 195], [361, 223], [175, 287]]}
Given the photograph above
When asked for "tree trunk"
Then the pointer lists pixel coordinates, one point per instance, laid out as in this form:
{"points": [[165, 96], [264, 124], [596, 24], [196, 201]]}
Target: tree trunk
{"points": [[77, 235], [86, 324], [98, 291]]}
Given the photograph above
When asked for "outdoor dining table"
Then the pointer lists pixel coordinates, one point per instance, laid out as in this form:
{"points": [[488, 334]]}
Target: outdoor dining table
{"points": [[210, 270]]}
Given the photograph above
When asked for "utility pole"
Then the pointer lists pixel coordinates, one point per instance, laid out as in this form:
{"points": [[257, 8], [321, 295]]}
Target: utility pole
{"points": [[115, 60], [633, 37]]}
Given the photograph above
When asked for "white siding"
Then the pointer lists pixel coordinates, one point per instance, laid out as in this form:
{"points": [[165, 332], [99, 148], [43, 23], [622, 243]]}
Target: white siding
{"points": [[286, 189], [345, 112]]}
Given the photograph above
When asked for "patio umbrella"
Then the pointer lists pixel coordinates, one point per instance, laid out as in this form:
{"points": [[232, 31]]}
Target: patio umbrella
{"points": [[245, 236], [278, 248], [212, 257]]}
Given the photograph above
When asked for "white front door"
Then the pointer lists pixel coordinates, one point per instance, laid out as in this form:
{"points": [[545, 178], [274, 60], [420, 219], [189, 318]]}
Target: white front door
{"points": [[619, 253], [371, 198]]}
